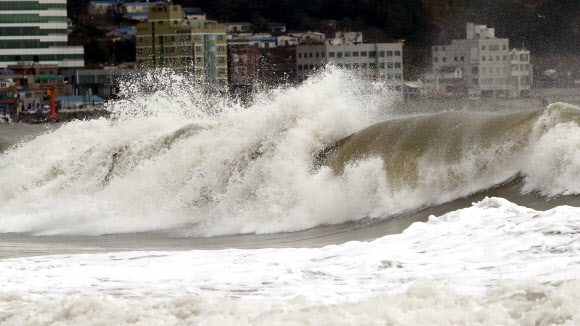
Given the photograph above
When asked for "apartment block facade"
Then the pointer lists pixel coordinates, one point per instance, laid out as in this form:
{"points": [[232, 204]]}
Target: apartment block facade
{"points": [[382, 62], [198, 46], [488, 67], [36, 31]]}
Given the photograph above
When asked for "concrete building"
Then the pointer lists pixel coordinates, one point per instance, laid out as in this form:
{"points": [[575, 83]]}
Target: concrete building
{"points": [[521, 78], [483, 59], [36, 31], [243, 63], [167, 40], [382, 62]]}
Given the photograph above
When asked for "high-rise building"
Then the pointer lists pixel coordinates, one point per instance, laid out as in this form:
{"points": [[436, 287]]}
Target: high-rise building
{"points": [[167, 40], [36, 31]]}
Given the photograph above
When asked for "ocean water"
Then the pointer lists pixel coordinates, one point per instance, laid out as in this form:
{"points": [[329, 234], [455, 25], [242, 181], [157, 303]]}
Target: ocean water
{"points": [[312, 205]]}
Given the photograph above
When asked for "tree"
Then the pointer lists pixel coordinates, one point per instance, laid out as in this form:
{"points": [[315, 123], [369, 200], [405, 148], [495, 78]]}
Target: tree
{"points": [[76, 8]]}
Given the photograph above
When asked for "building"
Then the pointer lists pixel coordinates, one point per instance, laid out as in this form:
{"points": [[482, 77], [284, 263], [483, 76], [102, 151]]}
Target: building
{"points": [[243, 61], [285, 40], [236, 28], [382, 62], [521, 79], [102, 7], [8, 95], [483, 59], [36, 31], [264, 41], [167, 40], [313, 37]]}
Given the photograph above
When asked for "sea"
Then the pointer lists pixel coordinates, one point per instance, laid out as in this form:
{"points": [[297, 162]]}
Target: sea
{"points": [[322, 203]]}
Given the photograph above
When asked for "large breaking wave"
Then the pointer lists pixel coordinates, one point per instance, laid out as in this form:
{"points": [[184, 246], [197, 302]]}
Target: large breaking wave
{"points": [[296, 158]]}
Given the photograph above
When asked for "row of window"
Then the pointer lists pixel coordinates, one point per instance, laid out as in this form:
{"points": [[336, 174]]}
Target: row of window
{"points": [[348, 54], [347, 66], [30, 31], [41, 57], [29, 44], [29, 5], [29, 18], [381, 65], [521, 67], [492, 70], [172, 38], [522, 57], [493, 47]]}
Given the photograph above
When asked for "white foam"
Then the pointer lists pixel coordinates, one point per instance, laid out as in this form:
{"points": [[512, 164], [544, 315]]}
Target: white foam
{"points": [[494, 263]]}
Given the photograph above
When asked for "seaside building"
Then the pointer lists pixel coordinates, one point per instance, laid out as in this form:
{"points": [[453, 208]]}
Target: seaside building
{"points": [[521, 79], [381, 62], [167, 40], [36, 31], [482, 66], [243, 61]]}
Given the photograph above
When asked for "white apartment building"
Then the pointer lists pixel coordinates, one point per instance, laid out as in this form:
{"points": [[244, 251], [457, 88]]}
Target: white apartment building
{"points": [[36, 31], [382, 62], [483, 58], [521, 78]]}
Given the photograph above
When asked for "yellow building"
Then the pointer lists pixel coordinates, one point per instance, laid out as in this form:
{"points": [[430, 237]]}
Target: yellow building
{"points": [[167, 40]]}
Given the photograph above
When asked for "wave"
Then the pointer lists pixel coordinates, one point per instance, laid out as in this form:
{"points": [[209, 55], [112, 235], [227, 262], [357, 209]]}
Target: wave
{"points": [[295, 158]]}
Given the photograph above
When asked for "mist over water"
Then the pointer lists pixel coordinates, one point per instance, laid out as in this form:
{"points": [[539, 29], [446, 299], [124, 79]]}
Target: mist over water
{"points": [[324, 152]]}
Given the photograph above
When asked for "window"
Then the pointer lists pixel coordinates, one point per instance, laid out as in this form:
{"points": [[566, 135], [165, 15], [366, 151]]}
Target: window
{"points": [[398, 76], [382, 65], [355, 54], [339, 54], [493, 47], [390, 53], [372, 66], [299, 67], [435, 59], [497, 58], [355, 65], [483, 47], [382, 54], [323, 54], [220, 37], [299, 55], [310, 54], [398, 53], [372, 54], [317, 54], [331, 54], [347, 66], [503, 46], [397, 65], [444, 59], [474, 70], [221, 48], [347, 54], [363, 66], [504, 58], [222, 59], [456, 58], [363, 53], [390, 65], [482, 58]]}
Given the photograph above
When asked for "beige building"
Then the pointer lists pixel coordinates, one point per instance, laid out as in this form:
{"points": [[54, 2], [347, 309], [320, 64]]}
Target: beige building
{"points": [[167, 40]]}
